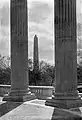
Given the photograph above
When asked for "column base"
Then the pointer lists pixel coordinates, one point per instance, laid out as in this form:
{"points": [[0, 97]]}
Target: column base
{"points": [[19, 96], [70, 102]]}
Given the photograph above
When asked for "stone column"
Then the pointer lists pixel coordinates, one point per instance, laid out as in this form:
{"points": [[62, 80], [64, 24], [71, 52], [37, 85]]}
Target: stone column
{"points": [[35, 57], [66, 95], [19, 52]]}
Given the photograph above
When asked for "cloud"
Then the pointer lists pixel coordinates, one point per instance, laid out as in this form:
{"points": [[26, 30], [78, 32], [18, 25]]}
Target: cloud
{"points": [[4, 15], [4, 45], [4, 28], [46, 48], [39, 12], [41, 30], [41, 22]]}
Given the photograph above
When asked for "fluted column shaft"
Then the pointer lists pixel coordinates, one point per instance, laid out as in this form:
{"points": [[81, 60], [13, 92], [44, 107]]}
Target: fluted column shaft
{"points": [[19, 44], [65, 46], [66, 95], [19, 52]]}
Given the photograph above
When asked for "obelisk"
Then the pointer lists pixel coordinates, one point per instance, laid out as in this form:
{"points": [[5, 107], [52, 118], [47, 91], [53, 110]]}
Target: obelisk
{"points": [[66, 94], [19, 53], [36, 57]]}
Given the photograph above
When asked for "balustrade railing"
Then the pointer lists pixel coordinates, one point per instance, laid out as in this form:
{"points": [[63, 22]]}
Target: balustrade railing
{"points": [[41, 92]]}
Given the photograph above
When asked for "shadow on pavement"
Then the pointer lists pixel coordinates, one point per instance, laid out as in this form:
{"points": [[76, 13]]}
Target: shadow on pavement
{"points": [[7, 107], [64, 114]]}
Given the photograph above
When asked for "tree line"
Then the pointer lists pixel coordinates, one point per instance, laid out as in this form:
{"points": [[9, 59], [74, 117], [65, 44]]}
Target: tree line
{"points": [[45, 76]]}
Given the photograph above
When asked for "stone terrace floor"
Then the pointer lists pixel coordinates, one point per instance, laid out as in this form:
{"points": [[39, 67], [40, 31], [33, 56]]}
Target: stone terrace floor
{"points": [[36, 110]]}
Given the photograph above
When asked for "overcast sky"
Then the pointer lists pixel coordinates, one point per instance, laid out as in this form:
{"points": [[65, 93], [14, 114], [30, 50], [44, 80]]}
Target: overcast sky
{"points": [[41, 14]]}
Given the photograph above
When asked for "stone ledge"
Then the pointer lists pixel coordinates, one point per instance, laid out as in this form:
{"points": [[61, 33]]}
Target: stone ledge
{"points": [[66, 104], [19, 98]]}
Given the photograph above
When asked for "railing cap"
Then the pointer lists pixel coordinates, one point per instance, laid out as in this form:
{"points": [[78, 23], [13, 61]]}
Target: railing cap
{"points": [[41, 87]]}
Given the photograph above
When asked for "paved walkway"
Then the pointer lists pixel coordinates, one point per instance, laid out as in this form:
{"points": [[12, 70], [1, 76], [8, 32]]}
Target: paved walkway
{"points": [[35, 110]]}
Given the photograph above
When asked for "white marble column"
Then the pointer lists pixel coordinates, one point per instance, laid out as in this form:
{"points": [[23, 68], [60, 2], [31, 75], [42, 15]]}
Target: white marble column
{"points": [[66, 95], [19, 52]]}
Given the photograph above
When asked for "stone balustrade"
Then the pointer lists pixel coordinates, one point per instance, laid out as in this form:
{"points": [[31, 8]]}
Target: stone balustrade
{"points": [[41, 92]]}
